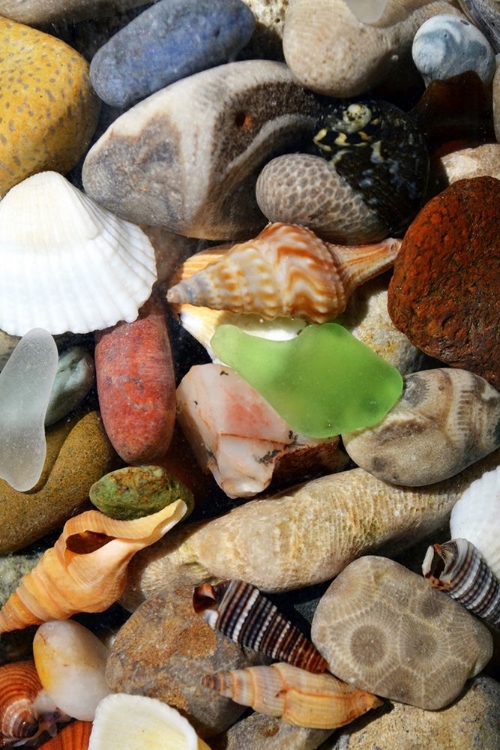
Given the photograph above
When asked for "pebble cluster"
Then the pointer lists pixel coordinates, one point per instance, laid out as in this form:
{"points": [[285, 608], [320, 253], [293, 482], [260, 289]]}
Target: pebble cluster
{"points": [[320, 393]]}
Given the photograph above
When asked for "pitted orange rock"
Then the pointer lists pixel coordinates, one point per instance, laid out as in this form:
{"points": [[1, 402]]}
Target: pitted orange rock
{"points": [[48, 109], [444, 293]]}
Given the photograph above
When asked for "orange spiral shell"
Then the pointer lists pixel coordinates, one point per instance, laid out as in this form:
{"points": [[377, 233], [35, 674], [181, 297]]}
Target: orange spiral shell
{"points": [[19, 687], [75, 736]]}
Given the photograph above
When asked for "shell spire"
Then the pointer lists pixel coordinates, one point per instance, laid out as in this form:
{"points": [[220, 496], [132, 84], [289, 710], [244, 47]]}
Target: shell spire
{"points": [[86, 569], [458, 568], [239, 611], [285, 271], [301, 698]]}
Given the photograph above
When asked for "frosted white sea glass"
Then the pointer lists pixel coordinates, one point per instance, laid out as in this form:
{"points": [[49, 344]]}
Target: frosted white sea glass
{"points": [[368, 11], [25, 387]]}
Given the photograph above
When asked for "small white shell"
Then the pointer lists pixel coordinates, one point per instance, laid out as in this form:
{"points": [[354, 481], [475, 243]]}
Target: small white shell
{"points": [[67, 263], [136, 722], [71, 661], [476, 517]]}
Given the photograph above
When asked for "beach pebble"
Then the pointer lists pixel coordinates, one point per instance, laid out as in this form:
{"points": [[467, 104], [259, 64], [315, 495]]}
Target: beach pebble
{"points": [[444, 291], [34, 12], [383, 629], [187, 157], [136, 384], [447, 45], [466, 163], [74, 379], [12, 569], [496, 102], [445, 420], [346, 57], [137, 491], [49, 109], [267, 38], [78, 454], [473, 721], [259, 732], [170, 40], [164, 650]]}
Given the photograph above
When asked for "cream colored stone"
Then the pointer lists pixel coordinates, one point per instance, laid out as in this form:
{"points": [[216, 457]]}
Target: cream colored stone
{"points": [[481, 161]]}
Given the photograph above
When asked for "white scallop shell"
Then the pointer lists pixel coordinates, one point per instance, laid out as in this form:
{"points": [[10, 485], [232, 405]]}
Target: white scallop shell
{"points": [[67, 263], [476, 517], [136, 722]]}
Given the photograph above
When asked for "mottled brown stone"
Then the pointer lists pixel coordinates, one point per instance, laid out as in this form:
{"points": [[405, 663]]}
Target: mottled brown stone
{"points": [[444, 294]]}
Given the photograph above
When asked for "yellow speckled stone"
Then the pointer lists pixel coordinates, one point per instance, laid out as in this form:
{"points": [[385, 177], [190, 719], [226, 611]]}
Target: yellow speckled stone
{"points": [[48, 109]]}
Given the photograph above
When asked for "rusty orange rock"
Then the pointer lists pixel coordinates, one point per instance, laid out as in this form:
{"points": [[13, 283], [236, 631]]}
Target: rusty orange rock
{"points": [[136, 385], [445, 290]]}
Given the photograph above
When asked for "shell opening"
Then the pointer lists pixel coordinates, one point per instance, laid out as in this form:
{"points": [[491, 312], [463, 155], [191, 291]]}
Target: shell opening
{"points": [[434, 566]]}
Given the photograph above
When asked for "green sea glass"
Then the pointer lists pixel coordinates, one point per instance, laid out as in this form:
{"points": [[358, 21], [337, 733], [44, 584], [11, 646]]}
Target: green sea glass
{"points": [[323, 382]]}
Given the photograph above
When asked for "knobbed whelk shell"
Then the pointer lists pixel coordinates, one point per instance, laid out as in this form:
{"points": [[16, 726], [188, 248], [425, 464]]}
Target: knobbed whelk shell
{"points": [[130, 722], [457, 568], [445, 420], [86, 569], [286, 270], [241, 612], [301, 698], [69, 264]]}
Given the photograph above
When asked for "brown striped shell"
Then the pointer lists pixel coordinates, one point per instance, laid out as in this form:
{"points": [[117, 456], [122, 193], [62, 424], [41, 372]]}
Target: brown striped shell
{"points": [[285, 271], [458, 568], [19, 688], [75, 736], [298, 697], [239, 611]]}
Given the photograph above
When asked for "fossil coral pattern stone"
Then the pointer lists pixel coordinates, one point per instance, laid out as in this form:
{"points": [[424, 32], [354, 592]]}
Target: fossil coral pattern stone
{"points": [[170, 40], [53, 109], [446, 45], [444, 291], [336, 63], [382, 628], [187, 157], [310, 533], [163, 651], [445, 420]]}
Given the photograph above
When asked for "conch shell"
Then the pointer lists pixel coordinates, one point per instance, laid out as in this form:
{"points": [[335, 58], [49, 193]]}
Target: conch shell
{"points": [[285, 271], [86, 569], [320, 701]]}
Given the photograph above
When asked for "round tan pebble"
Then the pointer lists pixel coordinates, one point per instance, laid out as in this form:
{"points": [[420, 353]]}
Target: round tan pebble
{"points": [[45, 11], [48, 108]]}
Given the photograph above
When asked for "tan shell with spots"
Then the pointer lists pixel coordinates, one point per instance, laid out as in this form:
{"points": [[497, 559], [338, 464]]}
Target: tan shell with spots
{"points": [[383, 629]]}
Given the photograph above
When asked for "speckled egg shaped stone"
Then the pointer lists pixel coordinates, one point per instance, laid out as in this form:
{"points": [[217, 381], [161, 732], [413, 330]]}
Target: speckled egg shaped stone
{"points": [[382, 628], [170, 40], [445, 289], [48, 108], [445, 420], [447, 45], [137, 491]]}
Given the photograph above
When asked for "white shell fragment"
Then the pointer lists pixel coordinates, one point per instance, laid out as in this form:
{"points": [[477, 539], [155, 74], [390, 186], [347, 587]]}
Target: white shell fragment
{"points": [[476, 517], [136, 722], [71, 661], [25, 387], [67, 263]]}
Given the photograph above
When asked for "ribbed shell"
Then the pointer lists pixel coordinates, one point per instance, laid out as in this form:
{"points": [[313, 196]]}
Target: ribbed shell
{"points": [[75, 736], [19, 687], [239, 611], [320, 701], [457, 568], [286, 270], [85, 570]]}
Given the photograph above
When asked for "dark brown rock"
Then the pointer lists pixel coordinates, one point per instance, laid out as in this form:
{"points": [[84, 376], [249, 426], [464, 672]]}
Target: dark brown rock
{"points": [[445, 291]]}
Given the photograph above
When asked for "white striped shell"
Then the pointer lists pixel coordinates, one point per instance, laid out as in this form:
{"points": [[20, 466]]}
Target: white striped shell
{"points": [[476, 517], [67, 263], [130, 722]]}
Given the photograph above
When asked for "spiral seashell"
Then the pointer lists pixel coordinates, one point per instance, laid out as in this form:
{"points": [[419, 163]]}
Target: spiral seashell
{"points": [[69, 265], [301, 698], [286, 270], [75, 736], [239, 611], [24, 712], [86, 569], [457, 568]]}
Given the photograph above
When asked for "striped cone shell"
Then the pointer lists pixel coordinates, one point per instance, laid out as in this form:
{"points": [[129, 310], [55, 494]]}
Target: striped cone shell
{"points": [[457, 568], [239, 611]]}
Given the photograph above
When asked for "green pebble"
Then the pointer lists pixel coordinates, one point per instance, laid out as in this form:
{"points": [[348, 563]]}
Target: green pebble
{"points": [[323, 382], [137, 491]]}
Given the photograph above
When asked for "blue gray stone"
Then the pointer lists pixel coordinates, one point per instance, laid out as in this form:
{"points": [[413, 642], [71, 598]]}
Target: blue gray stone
{"points": [[74, 379], [170, 40], [447, 45]]}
